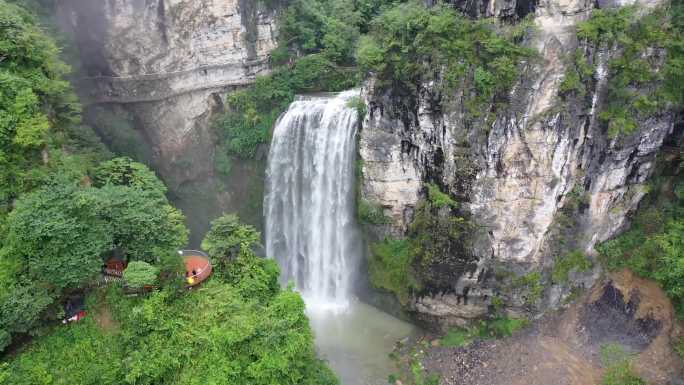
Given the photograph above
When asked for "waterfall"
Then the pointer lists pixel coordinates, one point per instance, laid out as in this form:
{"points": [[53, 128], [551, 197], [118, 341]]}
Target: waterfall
{"points": [[309, 202]]}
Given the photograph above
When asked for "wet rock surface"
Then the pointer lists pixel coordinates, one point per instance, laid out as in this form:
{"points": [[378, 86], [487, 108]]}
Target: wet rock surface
{"points": [[515, 176], [612, 318], [564, 348], [170, 63]]}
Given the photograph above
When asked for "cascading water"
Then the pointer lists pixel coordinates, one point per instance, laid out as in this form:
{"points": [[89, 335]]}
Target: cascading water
{"points": [[310, 230], [309, 205]]}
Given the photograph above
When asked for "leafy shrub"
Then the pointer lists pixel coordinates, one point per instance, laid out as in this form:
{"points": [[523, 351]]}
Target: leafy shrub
{"points": [[329, 27], [457, 337], [244, 128], [670, 273], [499, 327], [368, 213], [125, 172], [419, 375], [140, 273], [638, 86], [574, 261], [577, 76], [532, 283], [226, 238], [390, 268], [679, 348], [81, 354], [359, 105], [618, 367], [223, 163], [438, 198], [23, 305]]}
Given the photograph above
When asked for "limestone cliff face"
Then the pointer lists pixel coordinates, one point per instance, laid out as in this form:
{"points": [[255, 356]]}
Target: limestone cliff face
{"points": [[503, 9], [169, 62], [516, 176]]}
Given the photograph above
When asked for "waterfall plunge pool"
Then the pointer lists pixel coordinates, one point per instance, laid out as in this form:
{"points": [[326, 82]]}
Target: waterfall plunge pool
{"points": [[356, 341]]}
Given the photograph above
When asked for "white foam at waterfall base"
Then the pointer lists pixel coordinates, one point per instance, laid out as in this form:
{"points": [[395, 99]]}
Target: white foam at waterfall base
{"points": [[309, 203]]}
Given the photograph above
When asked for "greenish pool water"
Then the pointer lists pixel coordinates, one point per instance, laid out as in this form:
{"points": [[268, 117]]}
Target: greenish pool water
{"points": [[356, 341]]}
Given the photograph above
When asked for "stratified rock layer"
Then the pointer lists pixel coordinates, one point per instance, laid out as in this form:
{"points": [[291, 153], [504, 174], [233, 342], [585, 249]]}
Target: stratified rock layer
{"points": [[171, 61], [514, 176]]}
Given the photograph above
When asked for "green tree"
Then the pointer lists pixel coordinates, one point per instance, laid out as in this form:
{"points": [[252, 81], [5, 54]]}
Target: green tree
{"points": [[227, 237], [61, 231], [140, 273], [144, 225], [36, 104], [125, 172], [58, 234], [254, 277], [43, 147], [23, 305]]}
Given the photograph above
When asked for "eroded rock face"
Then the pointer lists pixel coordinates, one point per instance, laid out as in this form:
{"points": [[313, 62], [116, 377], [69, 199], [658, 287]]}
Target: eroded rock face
{"points": [[135, 37], [631, 314], [504, 9], [170, 61], [515, 176]]}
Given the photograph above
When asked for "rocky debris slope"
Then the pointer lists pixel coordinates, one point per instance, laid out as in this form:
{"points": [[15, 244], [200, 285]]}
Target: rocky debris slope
{"points": [[172, 61], [564, 348], [514, 176]]}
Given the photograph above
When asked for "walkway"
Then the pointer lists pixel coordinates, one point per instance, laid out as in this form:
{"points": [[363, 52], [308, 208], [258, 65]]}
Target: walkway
{"points": [[161, 86]]}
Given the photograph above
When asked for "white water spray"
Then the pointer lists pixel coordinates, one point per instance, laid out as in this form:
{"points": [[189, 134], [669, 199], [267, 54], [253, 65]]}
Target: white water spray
{"points": [[309, 203]]}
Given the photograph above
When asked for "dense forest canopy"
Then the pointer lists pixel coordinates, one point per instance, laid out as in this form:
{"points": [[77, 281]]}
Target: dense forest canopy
{"points": [[66, 204]]}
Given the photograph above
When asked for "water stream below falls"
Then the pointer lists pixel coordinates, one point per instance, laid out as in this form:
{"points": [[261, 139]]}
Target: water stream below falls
{"points": [[311, 230]]}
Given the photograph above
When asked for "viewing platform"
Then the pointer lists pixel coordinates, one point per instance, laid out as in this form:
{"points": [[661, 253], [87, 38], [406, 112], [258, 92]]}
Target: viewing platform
{"points": [[197, 266]]}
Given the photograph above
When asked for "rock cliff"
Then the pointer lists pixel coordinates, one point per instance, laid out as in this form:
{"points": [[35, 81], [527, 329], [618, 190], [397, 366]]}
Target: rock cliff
{"points": [[517, 176], [169, 62]]}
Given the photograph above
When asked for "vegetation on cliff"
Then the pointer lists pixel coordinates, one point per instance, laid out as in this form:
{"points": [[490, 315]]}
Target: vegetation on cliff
{"points": [[645, 64], [40, 127], [433, 252], [411, 44], [315, 53], [66, 206], [653, 247], [329, 45]]}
